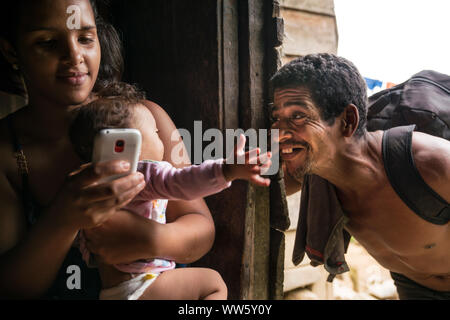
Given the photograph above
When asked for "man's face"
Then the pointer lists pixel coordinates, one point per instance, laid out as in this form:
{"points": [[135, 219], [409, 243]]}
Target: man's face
{"points": [[304, 137]]}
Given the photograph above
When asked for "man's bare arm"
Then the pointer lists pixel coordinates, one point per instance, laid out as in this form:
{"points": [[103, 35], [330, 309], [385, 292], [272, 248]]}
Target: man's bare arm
{"points": [[432, 159]]}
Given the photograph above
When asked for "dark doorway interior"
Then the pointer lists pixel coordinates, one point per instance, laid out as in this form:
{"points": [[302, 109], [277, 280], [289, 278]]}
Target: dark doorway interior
{"points": [[206, 60]]}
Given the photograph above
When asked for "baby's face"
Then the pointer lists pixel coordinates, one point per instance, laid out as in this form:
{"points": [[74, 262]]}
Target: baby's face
{"points": [[152, 146]]}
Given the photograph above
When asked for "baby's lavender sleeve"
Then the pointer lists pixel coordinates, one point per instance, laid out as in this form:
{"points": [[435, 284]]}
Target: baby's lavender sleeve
{"points": [[188, 183]]}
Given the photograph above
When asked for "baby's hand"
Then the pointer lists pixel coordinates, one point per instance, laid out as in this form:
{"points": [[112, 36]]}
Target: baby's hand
{"points": [[255, 165]]}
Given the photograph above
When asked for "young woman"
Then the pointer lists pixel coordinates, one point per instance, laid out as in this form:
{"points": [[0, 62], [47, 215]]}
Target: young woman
{"points": [[45, 196]]}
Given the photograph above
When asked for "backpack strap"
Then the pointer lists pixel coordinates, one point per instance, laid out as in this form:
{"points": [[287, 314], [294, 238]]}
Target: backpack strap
{"points": [[406, 179]]}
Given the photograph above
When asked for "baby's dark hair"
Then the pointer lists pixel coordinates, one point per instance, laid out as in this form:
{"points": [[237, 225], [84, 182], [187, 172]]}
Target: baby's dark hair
{"points": [[112, 108]]}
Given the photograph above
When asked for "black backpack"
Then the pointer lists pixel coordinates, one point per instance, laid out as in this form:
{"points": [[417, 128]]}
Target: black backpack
{"points": [[423, 100], [421, 103]]}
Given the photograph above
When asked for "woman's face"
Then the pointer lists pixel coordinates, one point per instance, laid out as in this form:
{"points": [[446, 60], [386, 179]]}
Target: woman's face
{"points": [[60, 63]]}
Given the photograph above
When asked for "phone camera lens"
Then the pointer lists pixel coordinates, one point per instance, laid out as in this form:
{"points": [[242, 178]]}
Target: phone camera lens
{"points": [[120, 146]]}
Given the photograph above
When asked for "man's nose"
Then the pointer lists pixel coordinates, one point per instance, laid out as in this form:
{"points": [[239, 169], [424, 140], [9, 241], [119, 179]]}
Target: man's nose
{"points": [[284, 131], [284, 134]]}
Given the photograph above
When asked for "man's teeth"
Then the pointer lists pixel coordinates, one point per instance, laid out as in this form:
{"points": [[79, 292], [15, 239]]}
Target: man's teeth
{"points": [[289, 150]]}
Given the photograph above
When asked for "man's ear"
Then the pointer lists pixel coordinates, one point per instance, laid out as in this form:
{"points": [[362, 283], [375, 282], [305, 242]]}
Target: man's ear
{"points": [[8, 51], [349, 120]]}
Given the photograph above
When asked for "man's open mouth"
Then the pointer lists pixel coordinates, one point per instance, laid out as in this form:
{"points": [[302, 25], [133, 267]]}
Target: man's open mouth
{"points": [[289, 153]]}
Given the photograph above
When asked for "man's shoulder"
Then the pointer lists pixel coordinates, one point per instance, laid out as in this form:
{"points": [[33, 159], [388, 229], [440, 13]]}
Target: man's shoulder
{"points": [[430, 151], [432, 159]]}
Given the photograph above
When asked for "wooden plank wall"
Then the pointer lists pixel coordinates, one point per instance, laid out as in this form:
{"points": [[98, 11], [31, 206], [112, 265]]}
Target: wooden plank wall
{"points": [[310, 27]]}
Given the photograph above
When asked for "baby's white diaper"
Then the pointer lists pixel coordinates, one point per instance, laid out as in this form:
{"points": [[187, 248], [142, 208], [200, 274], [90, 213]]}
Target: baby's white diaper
{"points": [[131, 289]]}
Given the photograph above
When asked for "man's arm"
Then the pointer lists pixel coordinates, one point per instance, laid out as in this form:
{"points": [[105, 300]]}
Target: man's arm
{"points": [[432, 159]]}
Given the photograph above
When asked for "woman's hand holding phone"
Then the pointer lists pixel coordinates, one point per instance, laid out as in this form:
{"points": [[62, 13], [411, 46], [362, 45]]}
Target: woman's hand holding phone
{"points": [[83, 202], [95, 191], [118, 144]]}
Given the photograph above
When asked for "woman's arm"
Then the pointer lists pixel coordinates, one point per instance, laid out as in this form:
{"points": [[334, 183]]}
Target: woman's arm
{"points": [[22, 259], [187, 236], [29, 261], [188, 222]]}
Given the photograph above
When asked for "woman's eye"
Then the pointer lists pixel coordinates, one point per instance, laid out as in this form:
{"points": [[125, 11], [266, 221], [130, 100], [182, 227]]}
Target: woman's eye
{"points": [[85, 40], [47, 43]]}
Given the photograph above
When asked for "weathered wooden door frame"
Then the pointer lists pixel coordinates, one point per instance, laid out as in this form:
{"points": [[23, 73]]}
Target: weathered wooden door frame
{"points": [[259, 34]]}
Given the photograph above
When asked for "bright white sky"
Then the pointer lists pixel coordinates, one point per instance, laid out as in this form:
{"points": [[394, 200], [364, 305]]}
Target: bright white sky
{"points": [[390, 40]]}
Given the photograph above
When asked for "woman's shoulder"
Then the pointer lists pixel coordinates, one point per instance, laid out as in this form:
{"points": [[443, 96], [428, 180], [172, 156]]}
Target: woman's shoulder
{"points": [[7, 160], [168, 133], [5, 136], [9, 179], [158, 112]]}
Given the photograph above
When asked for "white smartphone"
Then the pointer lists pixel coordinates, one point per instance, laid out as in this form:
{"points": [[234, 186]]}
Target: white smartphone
{"points": [[118, 144]]}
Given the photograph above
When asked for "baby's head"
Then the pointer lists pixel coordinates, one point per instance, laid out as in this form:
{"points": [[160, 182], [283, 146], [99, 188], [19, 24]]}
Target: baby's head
{"points": [[118, 106]]}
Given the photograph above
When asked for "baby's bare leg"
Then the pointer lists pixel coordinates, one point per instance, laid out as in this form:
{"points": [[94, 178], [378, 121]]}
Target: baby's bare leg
{"points": [[187, 284]]}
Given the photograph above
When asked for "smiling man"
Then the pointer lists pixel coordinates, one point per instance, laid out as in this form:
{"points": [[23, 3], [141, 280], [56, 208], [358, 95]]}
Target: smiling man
{"points": [[320, 105]]}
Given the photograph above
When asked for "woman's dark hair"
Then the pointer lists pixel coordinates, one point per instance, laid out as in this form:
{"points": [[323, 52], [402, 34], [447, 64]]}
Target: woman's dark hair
{"points": [[112, 109], [111, 66], [333, 82]]}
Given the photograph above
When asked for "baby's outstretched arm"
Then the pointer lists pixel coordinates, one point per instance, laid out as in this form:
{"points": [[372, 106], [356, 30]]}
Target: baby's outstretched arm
{"points": [[247, 165], [198, 181]]}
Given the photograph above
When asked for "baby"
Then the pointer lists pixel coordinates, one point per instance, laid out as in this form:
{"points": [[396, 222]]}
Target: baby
{"points": [[121, 108]]}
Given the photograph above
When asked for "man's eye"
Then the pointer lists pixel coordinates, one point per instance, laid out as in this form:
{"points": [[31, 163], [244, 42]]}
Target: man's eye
{"points": [[273, 119], [298, 118]]}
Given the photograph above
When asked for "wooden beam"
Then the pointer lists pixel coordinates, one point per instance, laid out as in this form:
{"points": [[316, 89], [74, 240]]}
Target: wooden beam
{"points": [[308, 33], [253, 98], [325, 7], [228, 38]]}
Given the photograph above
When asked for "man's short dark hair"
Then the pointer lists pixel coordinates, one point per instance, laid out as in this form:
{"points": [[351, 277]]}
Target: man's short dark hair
{"points": [[333, 82]]}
